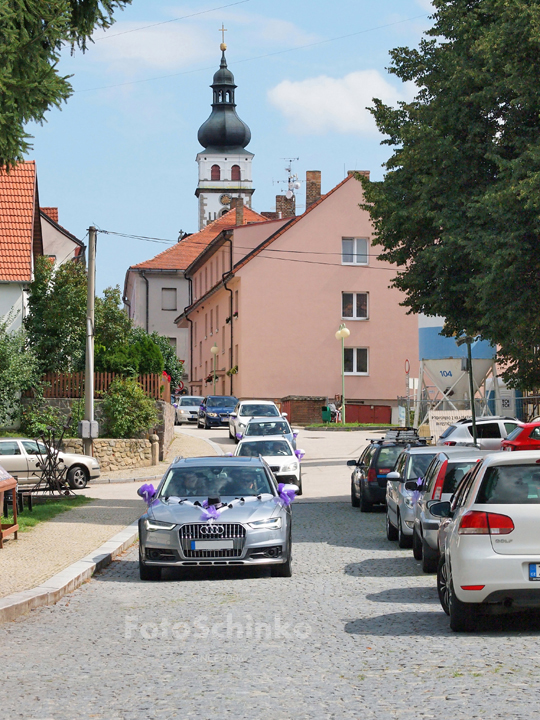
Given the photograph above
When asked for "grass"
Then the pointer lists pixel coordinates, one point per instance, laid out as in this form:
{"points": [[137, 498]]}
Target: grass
{"points": [[43, 511], [348, 426]]}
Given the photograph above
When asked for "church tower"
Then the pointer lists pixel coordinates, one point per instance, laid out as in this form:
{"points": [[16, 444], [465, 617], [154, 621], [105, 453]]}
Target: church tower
{"points": [[224, 164]]}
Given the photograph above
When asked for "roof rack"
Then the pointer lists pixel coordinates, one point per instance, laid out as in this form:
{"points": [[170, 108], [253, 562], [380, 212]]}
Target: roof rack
{"points": [[402, 436]]}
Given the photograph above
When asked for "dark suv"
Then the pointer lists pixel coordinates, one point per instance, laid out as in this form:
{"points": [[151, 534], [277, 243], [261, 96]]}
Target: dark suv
{"points": [[368, 479]]}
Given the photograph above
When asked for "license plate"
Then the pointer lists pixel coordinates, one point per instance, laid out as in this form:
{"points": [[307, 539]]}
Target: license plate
{"points": [[534, 571], [212, 544]]}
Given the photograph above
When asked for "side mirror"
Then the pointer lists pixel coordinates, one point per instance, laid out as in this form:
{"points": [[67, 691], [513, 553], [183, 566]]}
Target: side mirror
{"points": [[239, 436], [393, 476], [352, 463], [412, 485], [233, 415], [228, 454], [440, 509], [294, 488], [295, 435], [299, 454], [283, 414]]}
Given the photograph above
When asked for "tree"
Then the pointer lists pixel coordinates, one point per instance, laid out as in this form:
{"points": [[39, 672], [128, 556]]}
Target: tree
{"points": [[459, 207], [172, 364], [33, 34], [56, 321], [127, 410], [18, 371]]}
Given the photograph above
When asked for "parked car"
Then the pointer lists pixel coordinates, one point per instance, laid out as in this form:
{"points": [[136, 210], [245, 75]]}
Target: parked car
{"points": [[263, 427], [187, 409], [214, 411], [490, 432], [440, 482], [491, 558], [411, 464], [22, 457], [246, 409], [280, 455], [524, 437], [369, 477], [257, 531]]}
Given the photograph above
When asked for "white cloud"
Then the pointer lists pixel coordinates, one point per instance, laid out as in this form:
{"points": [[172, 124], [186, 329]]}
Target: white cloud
{"points": [[324, 104]]}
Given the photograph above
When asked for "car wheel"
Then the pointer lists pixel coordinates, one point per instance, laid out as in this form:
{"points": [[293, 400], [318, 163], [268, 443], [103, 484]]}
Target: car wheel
{"points": [[78, 477], [285, 569], [416, 546], [463, 616], [404, 541], [430, 558], [355, 502], [231, 436], [299, 483], [391, 532], [148, 572], [365, 506], [442, 584]]}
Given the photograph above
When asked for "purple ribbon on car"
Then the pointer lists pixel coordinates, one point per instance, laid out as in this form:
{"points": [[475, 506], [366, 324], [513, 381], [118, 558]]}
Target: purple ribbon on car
{"points": [[299, 454], [147, 492], [285, 497], [209, 512], [415, 496]]}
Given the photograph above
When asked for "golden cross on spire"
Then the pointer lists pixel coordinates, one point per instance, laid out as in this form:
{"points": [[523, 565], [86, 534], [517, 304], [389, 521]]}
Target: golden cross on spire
{"points": [[223, 30]]}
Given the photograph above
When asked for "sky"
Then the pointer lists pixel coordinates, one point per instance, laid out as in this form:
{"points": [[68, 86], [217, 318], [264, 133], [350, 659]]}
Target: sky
{"points": [[120, 154]]}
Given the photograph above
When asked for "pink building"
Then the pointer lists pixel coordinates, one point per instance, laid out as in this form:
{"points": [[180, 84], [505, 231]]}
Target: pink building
{"points": [[272, 295]]}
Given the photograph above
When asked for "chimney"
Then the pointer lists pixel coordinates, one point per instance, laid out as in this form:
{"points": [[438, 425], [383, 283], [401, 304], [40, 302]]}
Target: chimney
{"points": [[238, 205], [313, 187], [285, 207]]}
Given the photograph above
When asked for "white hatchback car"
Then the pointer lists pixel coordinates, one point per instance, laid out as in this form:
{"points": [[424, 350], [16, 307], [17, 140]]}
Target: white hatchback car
{"points": [[491, 540], [245, 410], [283, 459]]}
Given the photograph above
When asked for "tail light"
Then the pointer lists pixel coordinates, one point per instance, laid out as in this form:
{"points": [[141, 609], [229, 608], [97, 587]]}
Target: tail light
{"points": [[449, 442], [482, 523], [372, 475], [439, 482]]}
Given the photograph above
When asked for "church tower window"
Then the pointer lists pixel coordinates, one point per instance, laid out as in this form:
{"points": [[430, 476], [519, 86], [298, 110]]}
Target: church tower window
{"points": [[235, 173], [215, 173]]}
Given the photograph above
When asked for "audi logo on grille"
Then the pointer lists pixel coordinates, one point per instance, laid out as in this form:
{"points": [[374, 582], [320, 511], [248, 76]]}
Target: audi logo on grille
{"points": [[208, 530]]}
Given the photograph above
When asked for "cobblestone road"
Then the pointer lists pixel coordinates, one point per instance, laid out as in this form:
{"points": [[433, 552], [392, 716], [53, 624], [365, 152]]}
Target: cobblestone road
{"points": [[356, 633]]}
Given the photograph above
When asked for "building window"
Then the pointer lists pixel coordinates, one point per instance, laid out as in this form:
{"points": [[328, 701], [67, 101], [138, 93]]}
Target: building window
{"points": [[205, 325], [236, 301], [354, 251], [354, 306], [235, 173], [215, 173], [200, 353], [217, 318], [223, 341], [168, 298], [356, 361], [173, 343], [211, 322], [194, 333]]}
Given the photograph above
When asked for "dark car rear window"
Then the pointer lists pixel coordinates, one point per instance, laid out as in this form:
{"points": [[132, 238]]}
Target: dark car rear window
{"points": [[447, 432], [510, 485], [515, 433], [455, 473], [388, 456]]}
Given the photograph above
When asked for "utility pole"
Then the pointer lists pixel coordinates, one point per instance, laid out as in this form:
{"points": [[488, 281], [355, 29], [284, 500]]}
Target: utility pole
{"points": [[89, 367], [471, 387]]}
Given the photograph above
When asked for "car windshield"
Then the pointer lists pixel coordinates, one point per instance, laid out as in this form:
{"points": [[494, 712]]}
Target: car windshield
{"points": [[417, 465], [265, 447], [189, 401], [510, 485], [447, 432], [221, 402], [203, 482], [255, 409], [279, 427], [388, 456], [454, 474], [515, 433]]}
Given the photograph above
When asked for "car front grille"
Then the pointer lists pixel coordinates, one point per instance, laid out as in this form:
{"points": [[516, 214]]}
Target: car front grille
{"points": [[231, 531], [224, 415]]}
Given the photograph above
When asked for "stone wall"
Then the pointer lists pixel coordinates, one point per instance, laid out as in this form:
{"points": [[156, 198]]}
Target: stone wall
{"points": [[165, 427], [115, 454]]}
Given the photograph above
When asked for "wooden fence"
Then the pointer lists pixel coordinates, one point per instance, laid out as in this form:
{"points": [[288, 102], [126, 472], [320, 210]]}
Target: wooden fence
{"points": [[63, 385]]}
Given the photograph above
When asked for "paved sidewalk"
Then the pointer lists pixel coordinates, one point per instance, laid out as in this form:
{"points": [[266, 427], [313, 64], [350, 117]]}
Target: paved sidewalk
{"points": [[54, 545]]}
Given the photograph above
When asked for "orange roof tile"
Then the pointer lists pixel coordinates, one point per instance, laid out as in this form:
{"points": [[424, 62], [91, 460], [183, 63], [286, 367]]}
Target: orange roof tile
{"points": [[51, 212], [181, 255], [17, 216]]}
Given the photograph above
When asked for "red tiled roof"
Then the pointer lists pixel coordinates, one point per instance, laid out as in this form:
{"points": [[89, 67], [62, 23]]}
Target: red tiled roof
{"points": [[51, 212], [18, 196], [181, 255]]}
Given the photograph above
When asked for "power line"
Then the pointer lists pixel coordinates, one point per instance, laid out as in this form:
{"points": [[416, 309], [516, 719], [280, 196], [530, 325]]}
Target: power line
{"points": [[256, 57], [165, 22]]}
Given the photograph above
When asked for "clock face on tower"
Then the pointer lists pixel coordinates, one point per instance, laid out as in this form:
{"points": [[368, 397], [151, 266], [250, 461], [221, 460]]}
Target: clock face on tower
{"points": [[225, 199]]}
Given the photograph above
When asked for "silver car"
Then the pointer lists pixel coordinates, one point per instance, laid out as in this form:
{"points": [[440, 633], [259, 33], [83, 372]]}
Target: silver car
{"points": [[187, 409], [490, 432], [441, 480], [246, 409], [263, 427], [411, 464], [22, 458], [222, 511]]}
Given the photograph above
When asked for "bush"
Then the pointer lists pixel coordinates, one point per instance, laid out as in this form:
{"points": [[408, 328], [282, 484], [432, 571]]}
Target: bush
{"points": [[39, 415], [127, 411], [18, 371]]}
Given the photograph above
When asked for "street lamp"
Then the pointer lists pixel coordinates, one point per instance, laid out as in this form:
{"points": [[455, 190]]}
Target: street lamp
{"points": [[214, 350], [341, 334]]}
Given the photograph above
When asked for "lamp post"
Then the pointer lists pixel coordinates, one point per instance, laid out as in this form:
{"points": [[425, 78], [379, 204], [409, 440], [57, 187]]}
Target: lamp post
{"points": [[341, 334], [214, 350]]}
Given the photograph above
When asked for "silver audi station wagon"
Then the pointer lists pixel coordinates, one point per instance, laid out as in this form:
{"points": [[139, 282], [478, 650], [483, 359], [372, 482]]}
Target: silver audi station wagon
{"points": [[219, 511]]}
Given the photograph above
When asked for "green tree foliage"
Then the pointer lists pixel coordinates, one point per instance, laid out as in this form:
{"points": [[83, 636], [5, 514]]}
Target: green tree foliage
{"points": [[459, 208], [19, 371], [126, 409], [32, 35], [172, 364], [56, 321]]}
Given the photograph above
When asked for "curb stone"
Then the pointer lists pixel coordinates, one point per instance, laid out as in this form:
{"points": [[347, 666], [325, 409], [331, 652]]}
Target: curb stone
{"points": [[69, 579]]}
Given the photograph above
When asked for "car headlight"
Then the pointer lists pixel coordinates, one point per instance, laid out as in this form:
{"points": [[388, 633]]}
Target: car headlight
{"points": [[288, 468], [184, 412], [269, 524], [152, 525], [211, 414], [409, 502]]}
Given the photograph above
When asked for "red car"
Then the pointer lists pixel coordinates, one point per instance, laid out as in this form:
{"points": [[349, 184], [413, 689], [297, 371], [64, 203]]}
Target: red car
{"points": [[524, 437]]}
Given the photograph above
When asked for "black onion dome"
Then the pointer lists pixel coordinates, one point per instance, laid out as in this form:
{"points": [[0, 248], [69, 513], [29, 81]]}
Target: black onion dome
{"points": [[224, 131]]}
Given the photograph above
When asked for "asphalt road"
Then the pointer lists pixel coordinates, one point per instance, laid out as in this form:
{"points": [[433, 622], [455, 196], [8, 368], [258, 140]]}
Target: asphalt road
{"points": [[357, 632]]}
